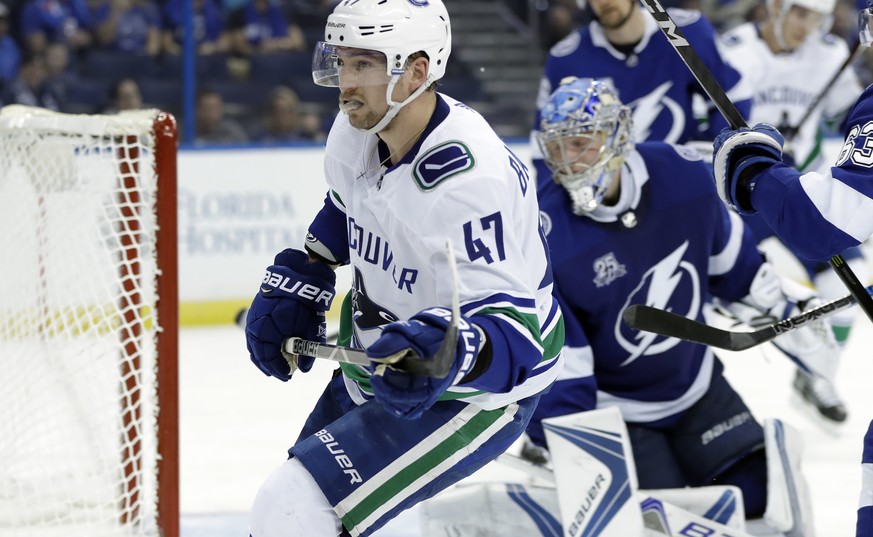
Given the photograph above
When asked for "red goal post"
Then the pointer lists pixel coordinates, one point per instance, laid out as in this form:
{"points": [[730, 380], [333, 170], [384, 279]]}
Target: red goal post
{"points": [[88, 324]]}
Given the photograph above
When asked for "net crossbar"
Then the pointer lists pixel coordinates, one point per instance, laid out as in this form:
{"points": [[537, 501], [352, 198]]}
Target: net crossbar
{"points": [[88, 444]]}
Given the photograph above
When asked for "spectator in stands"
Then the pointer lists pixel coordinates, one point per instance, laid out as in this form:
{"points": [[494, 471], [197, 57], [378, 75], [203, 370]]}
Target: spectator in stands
{"points": [[209, 33], [624, 43], [260, 26], [284, 121], [56, 21], [10, 55], [124, 95], [132, 26], [30, 88], [212, 125], [561, 18], [59, 76]]}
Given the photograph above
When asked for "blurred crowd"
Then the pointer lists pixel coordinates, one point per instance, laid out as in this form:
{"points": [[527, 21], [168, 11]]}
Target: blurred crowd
{"points": [[253, 57], [103, 56]]}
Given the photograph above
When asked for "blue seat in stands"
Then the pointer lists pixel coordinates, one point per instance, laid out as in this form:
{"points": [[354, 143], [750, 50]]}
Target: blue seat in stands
{"points": [[242, 93], [209, 68], [114, 65], [464, 90], [87, 96], [163, 94], [280, 68]]}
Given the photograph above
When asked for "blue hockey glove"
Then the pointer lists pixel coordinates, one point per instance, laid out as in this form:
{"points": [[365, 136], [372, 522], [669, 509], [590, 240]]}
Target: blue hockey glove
{"points": [[291, 302], [738, 156], [406, 395]]}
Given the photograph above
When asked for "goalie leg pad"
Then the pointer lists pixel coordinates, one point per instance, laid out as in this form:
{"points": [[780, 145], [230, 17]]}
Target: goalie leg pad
{"points": [[290, 503], [789, 505]]}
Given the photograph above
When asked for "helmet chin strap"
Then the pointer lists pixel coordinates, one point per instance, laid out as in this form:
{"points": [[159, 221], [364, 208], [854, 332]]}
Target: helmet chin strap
{"points": [[777, 30], [393, 107]]}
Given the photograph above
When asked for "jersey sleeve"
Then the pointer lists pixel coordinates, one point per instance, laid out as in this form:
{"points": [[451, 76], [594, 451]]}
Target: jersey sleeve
{"points": [[819, 216], [327, 235]]}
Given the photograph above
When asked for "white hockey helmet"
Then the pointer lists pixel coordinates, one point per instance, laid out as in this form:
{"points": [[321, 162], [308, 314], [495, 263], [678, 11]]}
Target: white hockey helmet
{"points": [[395, 28], [585, 111], [778, 14]]}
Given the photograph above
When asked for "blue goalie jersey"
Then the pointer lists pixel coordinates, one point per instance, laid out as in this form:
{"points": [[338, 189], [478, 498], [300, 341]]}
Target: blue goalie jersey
{"points": [[672, 246]]}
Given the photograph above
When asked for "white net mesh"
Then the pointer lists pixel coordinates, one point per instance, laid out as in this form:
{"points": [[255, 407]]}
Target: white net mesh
{"points": [[78, 323]]}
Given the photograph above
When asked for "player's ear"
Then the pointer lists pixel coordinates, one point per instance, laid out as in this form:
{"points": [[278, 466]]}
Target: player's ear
{"points": [[418, 68]]}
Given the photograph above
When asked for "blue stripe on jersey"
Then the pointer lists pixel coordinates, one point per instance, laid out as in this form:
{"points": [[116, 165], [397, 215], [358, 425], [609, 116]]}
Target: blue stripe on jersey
{"points": [[499, 300]]}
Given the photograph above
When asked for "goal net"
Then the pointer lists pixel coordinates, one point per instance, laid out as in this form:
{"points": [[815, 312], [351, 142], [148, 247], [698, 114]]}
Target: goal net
{"points": [[88, 325]]}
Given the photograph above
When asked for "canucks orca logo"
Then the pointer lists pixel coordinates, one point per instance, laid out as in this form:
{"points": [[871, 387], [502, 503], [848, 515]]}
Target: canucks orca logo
{"points": [[672, 284], [441, 162], [366, 314]]}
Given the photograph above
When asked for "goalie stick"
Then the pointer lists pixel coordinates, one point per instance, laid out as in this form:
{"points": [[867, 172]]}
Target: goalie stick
{"points": [[682, 47], [406, 361], [666, 323]]}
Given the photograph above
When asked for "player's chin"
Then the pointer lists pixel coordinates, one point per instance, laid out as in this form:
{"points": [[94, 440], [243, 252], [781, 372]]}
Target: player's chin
{"points": [[362, 120]]}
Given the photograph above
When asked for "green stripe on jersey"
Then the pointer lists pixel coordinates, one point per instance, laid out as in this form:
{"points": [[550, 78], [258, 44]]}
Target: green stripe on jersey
{"points": [[554, 340], [528, 320], [395, 485]]}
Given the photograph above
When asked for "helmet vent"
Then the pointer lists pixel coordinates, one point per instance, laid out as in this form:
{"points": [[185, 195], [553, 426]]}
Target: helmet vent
{"points": [[370, 30]]}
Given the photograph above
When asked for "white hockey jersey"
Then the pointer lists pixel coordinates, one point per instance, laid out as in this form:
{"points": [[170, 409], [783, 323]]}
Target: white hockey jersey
{"points": [[459, 182], [785, 85]]}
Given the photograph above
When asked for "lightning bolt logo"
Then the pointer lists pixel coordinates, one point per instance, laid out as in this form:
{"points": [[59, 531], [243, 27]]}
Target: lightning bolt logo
{"points": [[648, 108], [662, 281]]}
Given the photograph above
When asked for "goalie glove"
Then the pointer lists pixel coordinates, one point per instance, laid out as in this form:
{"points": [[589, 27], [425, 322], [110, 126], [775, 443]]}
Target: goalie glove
{"points": [[771, 299]]}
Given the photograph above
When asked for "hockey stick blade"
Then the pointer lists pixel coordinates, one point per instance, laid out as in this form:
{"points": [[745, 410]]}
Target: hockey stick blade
{"points": [[445, 357], [406, 360], [665, 323]]}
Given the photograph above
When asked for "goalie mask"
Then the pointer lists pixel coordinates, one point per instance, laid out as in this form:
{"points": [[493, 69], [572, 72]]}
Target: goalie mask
{"points": [[385, 33], [584, 135]]}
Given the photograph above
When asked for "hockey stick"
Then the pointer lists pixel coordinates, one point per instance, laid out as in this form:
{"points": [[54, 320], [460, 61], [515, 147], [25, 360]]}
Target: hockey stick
{"points": [[406, 360], [680, 44], [670, 324], [791, 132]]}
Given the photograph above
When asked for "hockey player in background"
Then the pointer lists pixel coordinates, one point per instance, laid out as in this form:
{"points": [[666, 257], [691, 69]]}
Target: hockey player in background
{"points": [[789, 60], [642, 224], [407, 169], [817, 215], [623, 43]]}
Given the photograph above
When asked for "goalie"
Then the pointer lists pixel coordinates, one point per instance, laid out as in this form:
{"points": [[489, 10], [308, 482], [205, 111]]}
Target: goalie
{"points": [[642, 224]]}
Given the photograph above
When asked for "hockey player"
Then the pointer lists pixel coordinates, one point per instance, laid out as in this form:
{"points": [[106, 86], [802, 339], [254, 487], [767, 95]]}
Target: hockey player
{"points": [[407, 169], [641, 224], [817, 215], [623, 43], [785, 59]]}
